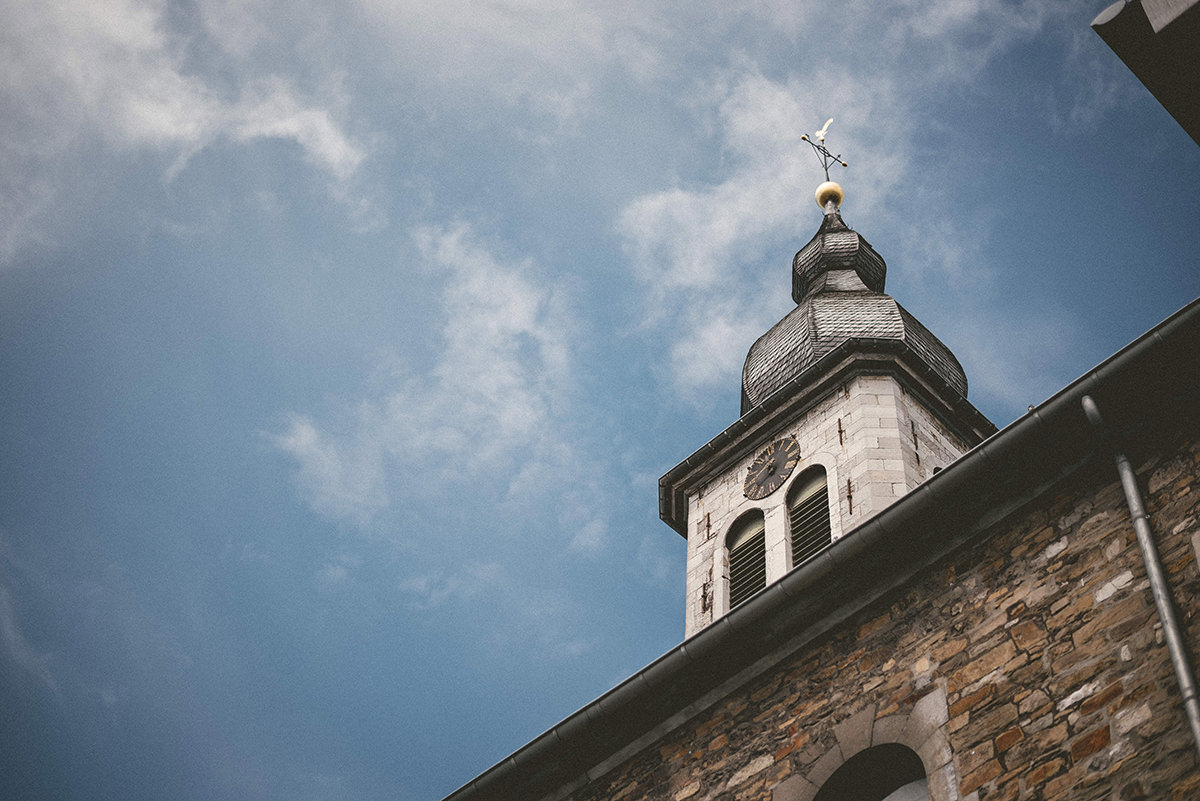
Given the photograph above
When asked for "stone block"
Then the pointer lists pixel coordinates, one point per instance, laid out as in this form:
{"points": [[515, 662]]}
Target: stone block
{"points": [[1009, 738], [1044, 771], [826, 765], [889, 729], [1090, 743], [1129, 719], [971, 759], [928, 715], [1028, 635], [970, 700], [942, 782], [794, 788], [854, 733], [986, 772], [935, 752], [985, 663], [1100, 699], [993, 720]]}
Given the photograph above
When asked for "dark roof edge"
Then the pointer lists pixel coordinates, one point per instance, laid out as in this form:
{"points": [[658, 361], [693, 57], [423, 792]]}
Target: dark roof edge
{"points": [[949, 509]]}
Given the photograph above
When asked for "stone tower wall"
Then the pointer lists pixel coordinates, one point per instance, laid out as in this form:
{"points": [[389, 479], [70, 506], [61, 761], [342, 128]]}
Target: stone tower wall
{"points": [[862, 434]]}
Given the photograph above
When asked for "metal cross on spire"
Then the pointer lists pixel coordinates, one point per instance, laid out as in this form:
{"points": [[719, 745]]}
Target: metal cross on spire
{"points": [[823, 155]]}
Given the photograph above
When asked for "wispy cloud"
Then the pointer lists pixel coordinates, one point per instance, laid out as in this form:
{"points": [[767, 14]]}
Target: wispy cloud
{"points": [[486, 407], [485, 436], [702, 245], [116, 68], [341, 476], [122, 74], [697, 245], [17, 646], [429, 590], [539, 617], [541, 55], [337, 573]]}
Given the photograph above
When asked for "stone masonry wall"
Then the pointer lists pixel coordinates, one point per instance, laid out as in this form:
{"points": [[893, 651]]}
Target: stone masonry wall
{"points": [[1038, 650]]}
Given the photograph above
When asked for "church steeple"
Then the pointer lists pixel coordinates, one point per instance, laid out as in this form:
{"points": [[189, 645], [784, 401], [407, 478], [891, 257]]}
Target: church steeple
{"points": [[848, 403], [837, 283]]}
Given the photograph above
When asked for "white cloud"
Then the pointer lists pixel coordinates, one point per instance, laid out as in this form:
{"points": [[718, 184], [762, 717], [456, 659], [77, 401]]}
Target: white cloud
{"points": [[512, 611], [429, 590], [17, 647], [505, 363], [487, 410], [269, 109], [695, 246], [76, 72], [699, 248], [113, 67], [340, 478], [535, 53], [590, 536], [1100, 83], [960, 36], [336, 573], [485, 443]]}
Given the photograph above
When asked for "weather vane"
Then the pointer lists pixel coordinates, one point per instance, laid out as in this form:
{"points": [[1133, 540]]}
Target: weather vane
{"points": [[823, 155]]}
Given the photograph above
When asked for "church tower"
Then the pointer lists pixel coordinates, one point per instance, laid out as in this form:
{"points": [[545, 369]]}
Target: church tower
{"points": [[848, 403]]}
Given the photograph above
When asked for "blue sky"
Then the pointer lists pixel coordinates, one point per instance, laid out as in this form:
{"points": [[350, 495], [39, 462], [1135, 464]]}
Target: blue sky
{"points": [[342, 344]]}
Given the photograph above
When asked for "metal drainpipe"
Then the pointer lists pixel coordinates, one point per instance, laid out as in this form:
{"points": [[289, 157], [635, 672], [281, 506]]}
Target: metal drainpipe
{"points": [[1158, 581]]}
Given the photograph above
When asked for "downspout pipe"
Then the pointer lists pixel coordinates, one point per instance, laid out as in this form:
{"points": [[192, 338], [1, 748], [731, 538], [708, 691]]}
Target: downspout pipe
{"points": [[1154, 570]]}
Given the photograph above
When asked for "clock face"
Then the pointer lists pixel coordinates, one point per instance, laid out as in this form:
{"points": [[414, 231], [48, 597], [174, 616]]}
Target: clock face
{"points": [[771, 468]]}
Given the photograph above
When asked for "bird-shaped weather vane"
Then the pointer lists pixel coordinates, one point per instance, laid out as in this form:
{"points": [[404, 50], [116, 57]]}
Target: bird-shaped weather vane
{"points": [[823, 155], [829, 195]]}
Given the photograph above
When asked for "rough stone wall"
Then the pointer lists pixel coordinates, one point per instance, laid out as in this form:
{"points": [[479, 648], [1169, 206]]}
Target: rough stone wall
{"points": [[1039, 645]]}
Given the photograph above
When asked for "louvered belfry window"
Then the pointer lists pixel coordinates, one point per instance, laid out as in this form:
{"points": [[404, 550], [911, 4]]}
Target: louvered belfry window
{"points": [[747, 545], [808, 515]]}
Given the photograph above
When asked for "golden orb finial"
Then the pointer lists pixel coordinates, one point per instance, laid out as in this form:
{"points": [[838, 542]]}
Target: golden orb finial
{"points": [[830, 191]]}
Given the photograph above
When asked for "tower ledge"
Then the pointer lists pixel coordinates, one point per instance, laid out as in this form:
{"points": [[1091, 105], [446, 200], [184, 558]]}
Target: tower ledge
{"points": [[828, 375]]}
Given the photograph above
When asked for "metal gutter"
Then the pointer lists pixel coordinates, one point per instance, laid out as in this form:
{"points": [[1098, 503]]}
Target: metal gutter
{"points": [[1159, 588], [1142, 385]]}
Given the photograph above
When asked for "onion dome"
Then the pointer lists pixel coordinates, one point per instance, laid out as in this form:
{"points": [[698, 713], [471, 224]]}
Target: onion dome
{"points": [[837, 283], [834, 248]]}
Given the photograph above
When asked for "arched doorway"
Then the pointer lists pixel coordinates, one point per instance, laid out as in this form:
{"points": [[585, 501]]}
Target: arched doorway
{"points": [[890, 772]]}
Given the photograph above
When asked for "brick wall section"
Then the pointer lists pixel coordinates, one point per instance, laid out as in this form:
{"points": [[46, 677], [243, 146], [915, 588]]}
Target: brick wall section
{"points": [[1043, 638]]}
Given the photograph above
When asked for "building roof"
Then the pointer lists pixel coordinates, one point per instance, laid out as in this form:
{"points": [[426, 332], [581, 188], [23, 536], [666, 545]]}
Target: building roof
{"points": [[836, 246], [1146, 387], [1159, 40], [837, 282], [825, 320]]}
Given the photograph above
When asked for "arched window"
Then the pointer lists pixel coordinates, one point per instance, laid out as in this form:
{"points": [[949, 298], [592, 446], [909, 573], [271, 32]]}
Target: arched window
{"points": [[808, 515], [747, 546], [890, 772]]}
